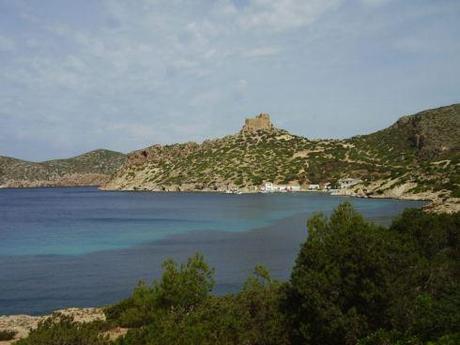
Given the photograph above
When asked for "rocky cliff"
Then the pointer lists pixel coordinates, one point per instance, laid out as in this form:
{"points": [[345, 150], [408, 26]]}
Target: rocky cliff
{"points": [[419, 152], [90, 169]]}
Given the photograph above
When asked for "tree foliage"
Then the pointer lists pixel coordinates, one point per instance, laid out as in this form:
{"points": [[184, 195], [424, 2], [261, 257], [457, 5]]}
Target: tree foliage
{"points": [[181, 288], [250, 317], [62, 330], [353, 279], [7, 334]]}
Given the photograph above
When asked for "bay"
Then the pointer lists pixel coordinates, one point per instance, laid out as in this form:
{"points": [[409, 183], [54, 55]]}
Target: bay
{"points": [[66, 247]]}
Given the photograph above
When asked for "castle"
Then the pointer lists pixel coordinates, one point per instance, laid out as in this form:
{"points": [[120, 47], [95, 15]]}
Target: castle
{"points": [[260, 122]]}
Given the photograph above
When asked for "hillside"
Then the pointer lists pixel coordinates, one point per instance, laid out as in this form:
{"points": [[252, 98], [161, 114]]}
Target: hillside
{"points": [[244, 160], [92, 168], [417, 157], [421, 152], [426, 136]]}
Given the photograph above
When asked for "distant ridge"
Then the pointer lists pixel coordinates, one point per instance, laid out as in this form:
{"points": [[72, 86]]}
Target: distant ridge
{"points": [[89, 169]]}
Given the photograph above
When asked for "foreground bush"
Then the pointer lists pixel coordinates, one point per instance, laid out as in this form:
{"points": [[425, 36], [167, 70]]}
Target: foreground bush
{"points": [[182, 287], [382, 337], [249, 317], [353, 279], [7, 335], [62, 330]]}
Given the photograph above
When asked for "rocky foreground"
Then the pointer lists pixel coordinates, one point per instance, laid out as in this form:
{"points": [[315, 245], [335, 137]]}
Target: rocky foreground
{"points": [[23, 324]]}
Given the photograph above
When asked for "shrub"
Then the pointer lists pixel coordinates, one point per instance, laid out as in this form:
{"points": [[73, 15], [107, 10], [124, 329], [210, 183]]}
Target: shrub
{"points": [[354, 280], [249, 317], [184, 287], [63, 330], [7, 335]]}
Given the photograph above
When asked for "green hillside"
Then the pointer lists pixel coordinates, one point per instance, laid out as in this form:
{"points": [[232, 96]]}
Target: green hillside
{"points": [[421, 151], [98, 164]]}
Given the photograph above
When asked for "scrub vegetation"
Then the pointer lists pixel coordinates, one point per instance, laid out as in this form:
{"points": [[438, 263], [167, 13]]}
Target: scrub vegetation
{"points": [[419, 152], [7, 335], [99, 164]]}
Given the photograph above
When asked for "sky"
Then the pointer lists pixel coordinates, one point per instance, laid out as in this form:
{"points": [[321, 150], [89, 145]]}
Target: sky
{"points": [[81, 75]]}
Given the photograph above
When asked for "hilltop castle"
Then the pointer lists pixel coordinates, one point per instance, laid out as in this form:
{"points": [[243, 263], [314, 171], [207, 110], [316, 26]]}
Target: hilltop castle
{"points": [[260, 122]]}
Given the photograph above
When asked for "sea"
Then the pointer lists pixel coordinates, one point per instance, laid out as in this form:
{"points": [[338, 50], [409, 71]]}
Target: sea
{"points": [[81, 247]]}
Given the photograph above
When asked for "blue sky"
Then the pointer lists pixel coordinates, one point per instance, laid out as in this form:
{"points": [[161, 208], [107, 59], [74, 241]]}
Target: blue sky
{"points": [[87, 74]]}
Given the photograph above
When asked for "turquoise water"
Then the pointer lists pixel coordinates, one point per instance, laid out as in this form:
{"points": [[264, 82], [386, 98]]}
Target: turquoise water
{"points": [[80, 246]]}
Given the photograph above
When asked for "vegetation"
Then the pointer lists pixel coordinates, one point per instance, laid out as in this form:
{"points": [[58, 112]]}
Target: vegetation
{"points": [[353, 282], [421, 149], [7, 335], [62, 330], [357, 282], [100, 162]]}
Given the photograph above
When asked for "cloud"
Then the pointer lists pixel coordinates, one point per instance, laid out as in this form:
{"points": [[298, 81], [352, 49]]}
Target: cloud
{"points": [[113, 74], [282, 15], [6, 44]]}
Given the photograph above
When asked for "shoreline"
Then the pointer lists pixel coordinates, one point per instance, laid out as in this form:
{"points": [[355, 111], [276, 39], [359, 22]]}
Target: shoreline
{"points": [[435, 203]]}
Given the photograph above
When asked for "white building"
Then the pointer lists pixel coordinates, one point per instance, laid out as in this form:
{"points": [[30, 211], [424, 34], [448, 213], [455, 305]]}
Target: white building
{"points": [[313, 187], [269, 187]]}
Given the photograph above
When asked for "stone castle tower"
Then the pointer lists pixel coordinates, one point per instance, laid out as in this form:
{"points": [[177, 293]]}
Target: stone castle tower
{"points": [[260, 122]]}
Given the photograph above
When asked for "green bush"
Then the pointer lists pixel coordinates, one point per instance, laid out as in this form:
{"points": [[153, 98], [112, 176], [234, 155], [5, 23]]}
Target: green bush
{"points": [[181, 286], [352, 279], [383, 337], [7, 335], [63, 330], [449, 339], [249, 317]]}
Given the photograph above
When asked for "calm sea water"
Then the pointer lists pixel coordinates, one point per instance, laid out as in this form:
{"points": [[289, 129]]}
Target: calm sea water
{"points": [[62, 247]]}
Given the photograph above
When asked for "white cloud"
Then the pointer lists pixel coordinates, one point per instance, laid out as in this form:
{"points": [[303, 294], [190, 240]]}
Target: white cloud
{"points": [[284, 15]]}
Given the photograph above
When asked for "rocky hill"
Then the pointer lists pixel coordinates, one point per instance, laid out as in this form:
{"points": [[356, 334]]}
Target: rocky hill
{"points": [[426, 136], [417, 157], [422, 153], [92, 168]]}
